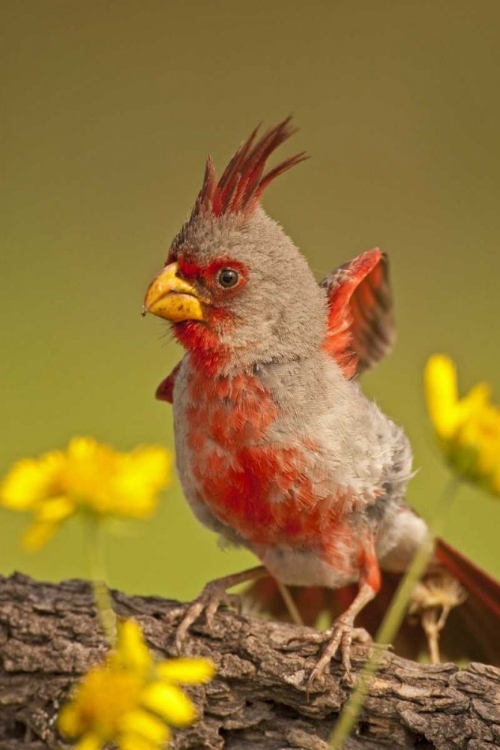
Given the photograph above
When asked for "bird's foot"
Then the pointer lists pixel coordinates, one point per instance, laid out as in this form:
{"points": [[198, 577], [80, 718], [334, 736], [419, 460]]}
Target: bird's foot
{"points": [[208, 602], [339, 637], [213, 595]]}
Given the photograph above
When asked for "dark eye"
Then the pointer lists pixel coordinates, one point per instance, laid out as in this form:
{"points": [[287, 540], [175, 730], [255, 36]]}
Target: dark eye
{"points": [[228, 277]]}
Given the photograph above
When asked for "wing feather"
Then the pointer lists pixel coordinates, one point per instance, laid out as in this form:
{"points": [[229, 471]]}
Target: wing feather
{"points": [[361, 327], [165, 391]]}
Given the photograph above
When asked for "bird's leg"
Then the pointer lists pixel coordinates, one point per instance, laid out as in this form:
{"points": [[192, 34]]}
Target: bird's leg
{"points": [[292, 608], [213, 595], [341, 634]]}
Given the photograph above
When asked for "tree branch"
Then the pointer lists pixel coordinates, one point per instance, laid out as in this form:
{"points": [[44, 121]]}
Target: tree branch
{"points": [[50, 635]]}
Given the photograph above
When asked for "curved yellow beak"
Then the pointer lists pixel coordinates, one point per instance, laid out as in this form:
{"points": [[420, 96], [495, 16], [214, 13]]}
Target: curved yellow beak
{"points": [[172, 298]]}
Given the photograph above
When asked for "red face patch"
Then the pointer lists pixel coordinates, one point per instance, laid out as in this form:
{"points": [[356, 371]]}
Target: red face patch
{"points": [[209, 276], [202, 338]]}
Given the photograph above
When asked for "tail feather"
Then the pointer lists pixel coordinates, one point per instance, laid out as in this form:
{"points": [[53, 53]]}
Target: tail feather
{"points": [[473, 627], [471, 631], [477, 582]]}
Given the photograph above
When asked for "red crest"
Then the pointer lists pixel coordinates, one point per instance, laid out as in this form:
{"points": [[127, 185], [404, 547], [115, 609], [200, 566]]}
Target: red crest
{"points": [[244, 179]]}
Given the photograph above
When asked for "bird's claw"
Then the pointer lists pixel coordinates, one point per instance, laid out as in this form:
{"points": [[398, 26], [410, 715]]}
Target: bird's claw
{"points": [[339, 636], [208, 602], [213, 595]]}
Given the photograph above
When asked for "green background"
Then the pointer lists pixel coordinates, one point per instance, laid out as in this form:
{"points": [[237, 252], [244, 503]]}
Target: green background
{"points": [[108, 110]]}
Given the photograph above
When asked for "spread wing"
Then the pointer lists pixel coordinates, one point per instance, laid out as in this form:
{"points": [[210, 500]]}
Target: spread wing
{"points": [[361, 328], [165, 391]]}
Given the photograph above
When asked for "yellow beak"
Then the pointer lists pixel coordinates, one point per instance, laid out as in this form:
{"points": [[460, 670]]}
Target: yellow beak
{"points": [[172, 298]]}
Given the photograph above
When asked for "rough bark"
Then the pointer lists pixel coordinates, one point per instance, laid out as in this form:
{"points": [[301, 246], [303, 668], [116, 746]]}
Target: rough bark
{"points": [[49, 636]]}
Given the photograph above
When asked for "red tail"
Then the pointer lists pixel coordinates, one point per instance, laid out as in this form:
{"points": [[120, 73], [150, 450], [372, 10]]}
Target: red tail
{"points": [[471, 631]]}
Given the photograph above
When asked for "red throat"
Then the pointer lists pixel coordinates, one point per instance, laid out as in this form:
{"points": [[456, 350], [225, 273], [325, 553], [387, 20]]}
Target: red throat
{"points": [[202, 338], [204, 346]]}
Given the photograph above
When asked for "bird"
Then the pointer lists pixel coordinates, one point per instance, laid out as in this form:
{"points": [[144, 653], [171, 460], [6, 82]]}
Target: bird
{"points": [[278, 449]]}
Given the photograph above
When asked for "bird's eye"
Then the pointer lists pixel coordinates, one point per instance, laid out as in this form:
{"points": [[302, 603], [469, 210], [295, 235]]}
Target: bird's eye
{"points": [[228, 277]]}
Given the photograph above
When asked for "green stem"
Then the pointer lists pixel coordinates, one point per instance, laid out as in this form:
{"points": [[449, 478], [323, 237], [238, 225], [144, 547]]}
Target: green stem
{"points": [[100, 588], [393, 619]]}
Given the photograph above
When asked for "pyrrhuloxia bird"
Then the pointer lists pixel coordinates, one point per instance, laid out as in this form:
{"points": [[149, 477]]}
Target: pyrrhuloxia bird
{"points": [[277, 447]]}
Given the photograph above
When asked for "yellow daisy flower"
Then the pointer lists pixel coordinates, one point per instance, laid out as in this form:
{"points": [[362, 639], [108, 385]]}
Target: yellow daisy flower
{"points": [[467, 428], [132, 699], [87, 477]]}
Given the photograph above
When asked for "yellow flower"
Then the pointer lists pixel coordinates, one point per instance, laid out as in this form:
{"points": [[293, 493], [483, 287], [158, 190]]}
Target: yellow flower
{"points": [[87, 477], [132, 699], [468, 428]]}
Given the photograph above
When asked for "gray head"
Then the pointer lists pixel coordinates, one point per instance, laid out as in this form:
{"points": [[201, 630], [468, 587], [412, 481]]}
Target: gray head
{"points": [[236, 289]]}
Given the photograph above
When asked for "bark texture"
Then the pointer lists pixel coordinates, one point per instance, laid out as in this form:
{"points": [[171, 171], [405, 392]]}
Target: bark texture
{"points": [[50, 635]]}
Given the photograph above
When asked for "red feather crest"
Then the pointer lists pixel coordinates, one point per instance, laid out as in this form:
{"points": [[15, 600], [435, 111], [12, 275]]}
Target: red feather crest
{"points": [[244, 180]]}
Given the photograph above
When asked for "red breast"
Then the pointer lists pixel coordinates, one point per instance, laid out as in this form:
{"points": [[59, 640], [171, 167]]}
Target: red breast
{"points": [[263, 489]]}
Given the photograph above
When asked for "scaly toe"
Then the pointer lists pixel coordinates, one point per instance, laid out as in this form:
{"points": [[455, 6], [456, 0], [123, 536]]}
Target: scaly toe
{"points": [[208, 602], [340, 636], [219, 598], [303, 640], [189, 618], [360, 635]]}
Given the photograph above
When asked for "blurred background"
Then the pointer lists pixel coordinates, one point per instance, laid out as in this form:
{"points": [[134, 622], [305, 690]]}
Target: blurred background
{"points": [[109, 109]]}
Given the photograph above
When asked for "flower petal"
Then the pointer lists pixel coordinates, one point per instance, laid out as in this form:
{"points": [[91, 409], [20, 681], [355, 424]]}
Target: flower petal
{"points": [[145, 725], [31, 481], [134, 741], [132, 649], [69, 721], [442, 394], [83, 448], [89, 742], [468, 429], [188, 671], [38, 534], [138, 478], [55, 509], [170, 703]]}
